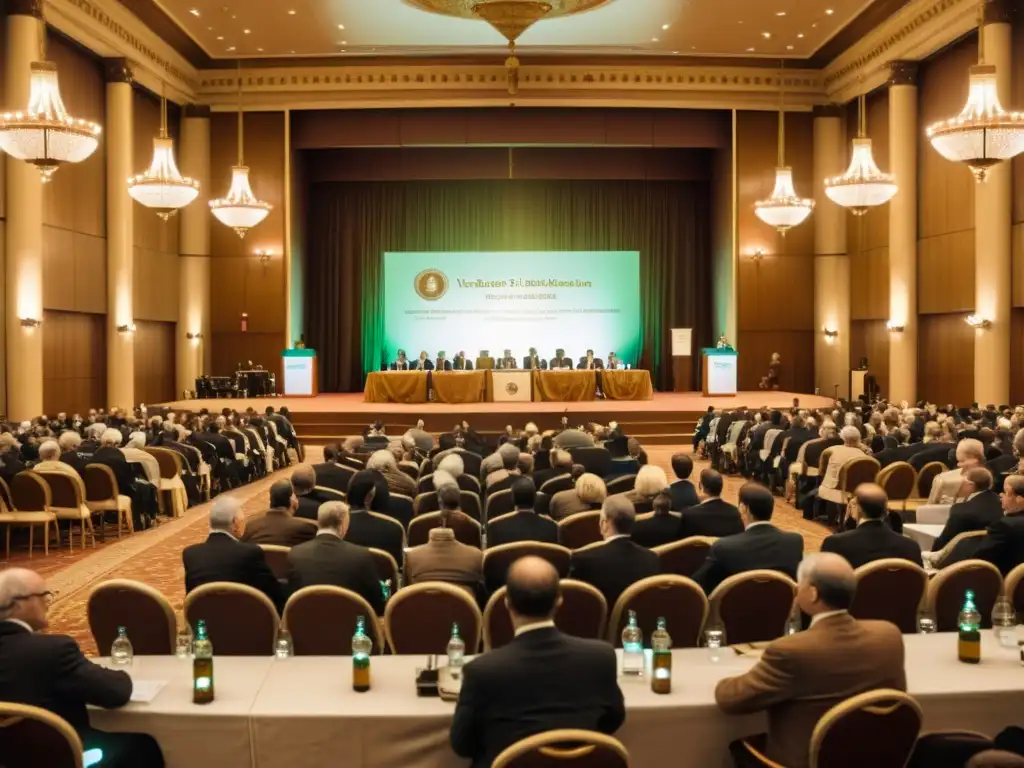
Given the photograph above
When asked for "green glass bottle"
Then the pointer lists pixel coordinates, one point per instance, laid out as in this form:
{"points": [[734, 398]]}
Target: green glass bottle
{"points": [[969, 638], [362, 646], [202, 666], [661, 664]]}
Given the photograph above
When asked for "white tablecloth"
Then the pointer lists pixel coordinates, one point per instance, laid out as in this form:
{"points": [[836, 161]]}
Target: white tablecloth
{"points": [[933, 514], [925, 535], [302, 711]]}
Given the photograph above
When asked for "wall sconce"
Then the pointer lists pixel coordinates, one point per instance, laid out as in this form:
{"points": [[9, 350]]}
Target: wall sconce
{"points": [[831, 335], [193, 336], [893, 328], [978, 322], [126, 328], [30, 322], [264, 256], [757, 255]]}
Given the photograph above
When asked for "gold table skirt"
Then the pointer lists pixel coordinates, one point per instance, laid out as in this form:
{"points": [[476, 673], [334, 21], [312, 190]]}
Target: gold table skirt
{"points": [[477, 387], [411, 386]]}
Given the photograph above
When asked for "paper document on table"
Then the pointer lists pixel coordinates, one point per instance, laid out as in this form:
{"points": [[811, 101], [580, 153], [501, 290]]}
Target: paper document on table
{"points": [[753, 650], [144, 691]]}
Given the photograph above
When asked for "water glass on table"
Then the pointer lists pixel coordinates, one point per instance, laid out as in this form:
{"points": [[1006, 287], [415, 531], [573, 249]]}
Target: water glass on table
{"points": [[925, 623], [183, 642], [714, 639], [283, 647], [1004, 622]]}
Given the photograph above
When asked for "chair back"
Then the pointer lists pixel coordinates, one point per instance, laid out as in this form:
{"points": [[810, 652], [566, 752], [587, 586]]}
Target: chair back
{"points": [[65, 491], [467, 530], [753, 606], [946, 592], [425, 484], [100, 483], [565, 749], [582, 614], [277, 558], [468, 482], [470, 461], [542, 504], [877, 728], [684, 557], [425, 502], [898, 480], [1014, 589], [30, 493], [469, 502], [400, 507], [30, 736], [410, 468], [322, 619], [5, 495], [769, 440], [890, 590], [418, 619], [143, 611], [580, 529], [168, 460], [387, 567], [595, 459], [926, 477], [621, 484], [862, 469], [499, 504], [323, 494], [678, 599], [241, 620], [556, 484], [497, 560]]}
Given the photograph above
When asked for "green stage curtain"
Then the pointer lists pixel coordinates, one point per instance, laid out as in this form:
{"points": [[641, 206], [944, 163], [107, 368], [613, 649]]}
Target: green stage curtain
{"points": [[352, 224]]}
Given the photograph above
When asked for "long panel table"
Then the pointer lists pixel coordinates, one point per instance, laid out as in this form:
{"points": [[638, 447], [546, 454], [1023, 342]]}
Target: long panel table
{"points": [[302, 712]]}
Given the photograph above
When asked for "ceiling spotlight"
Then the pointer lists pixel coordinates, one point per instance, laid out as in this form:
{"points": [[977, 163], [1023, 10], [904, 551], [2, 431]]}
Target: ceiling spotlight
{"points": [[291, 11], [829, 11], [801, 35], [220, 37], [194, 11], [766, 35], [750, 49], [341, 26], [665, 26], [814, 25], [654, 39], [246, 31], [259, 50], [231, 47], [789, 47], [780, 13]]}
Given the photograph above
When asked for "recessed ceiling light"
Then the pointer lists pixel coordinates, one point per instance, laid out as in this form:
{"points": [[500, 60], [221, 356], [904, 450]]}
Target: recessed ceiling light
{"points": [[740, 21], [209, 29], [220, 37], [231, 47], [291, 12], [789, 47], [343, 42], [259, 50], [292, 51], [654, 39], [750, 49], [233, 16], [829, 11], [780, 13], [814, 25], [801, 35], [194, 11], [341, 26], [665, 26], [766, 35], [693, 47], [247, 31]]}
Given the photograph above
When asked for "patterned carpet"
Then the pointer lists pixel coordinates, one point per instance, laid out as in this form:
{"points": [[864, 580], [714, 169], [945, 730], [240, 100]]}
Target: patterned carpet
{"points": [[154, 556]]}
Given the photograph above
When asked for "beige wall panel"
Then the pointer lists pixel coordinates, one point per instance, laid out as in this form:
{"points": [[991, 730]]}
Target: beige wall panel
{"points": [[156, 285], [154, 361], [870, 339], [90, 273], [1018, 262], [869, 285], [945, 274], [945, 360], [72, 381], [58, 269]]}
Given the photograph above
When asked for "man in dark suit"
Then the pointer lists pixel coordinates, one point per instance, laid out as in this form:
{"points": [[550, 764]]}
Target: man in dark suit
{"points": [[331, 474], [442, 363], [329, 559], [423, 362], [872, 539], [223, 557], [278, 525], [532, 362], [561, 464], [798, 434], [50, 672], [703, 427], [619, 562], [369, 529], [542, 680], [660, 526], [761, 545], [401, 362], [682, 491], [303, 482], [522, 524], [461, 363], [560, 360], [1003, 544], [143, 495], [69, 442], [588, 362], [713, 516], [980, 508]]}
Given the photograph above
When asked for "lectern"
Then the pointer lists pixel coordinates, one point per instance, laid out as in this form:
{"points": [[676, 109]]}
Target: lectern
{"points": [[719, 371], [300, 372]]}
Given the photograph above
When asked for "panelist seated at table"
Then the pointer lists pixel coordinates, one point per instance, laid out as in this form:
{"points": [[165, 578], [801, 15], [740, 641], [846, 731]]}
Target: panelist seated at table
{"points": [[534, 363], [589, 362], [560, 361], [423, 362], [442, 363], [614, 363], [401, 362], [508, 361], [460, 363]]}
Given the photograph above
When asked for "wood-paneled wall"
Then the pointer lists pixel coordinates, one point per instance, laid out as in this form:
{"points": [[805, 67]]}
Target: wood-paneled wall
{"points": [[1016, 355], [776, 292], [154, 361], [239, 282], [945, 359], [870, 339], [74, 361]]}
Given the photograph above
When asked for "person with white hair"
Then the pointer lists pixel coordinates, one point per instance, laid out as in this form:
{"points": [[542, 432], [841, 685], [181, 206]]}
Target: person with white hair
{"points": [[223, 557], [501, 479], [970, 453], [52, 673], [650, 481], [383, 461], [586, 495], [49, 461], [453, 465], [850, 449], [561, 465], [143, 495], [135, 453]]}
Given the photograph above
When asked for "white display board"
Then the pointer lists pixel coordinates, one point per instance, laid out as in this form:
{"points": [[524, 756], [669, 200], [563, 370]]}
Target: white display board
{"points": [[298, 376], [512, 386], [682, 342], [722, 374]]}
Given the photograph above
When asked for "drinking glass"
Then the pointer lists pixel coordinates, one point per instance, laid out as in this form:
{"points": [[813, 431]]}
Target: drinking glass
{"points": [[925, 623], [283, 646], [183, 642], [714, 639], [1004, 622]]}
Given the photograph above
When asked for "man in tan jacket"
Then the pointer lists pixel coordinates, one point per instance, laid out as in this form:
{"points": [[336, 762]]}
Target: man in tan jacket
{"points": [[443, 558], [800, 677]]}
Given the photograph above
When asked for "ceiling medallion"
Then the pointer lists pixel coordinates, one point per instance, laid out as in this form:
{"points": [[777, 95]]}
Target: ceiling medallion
{"points": [[509, 17]]}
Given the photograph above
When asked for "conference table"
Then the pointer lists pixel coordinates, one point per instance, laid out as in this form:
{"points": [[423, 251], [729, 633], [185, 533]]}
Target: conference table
{"points": [[299, 712], [924, 534]]}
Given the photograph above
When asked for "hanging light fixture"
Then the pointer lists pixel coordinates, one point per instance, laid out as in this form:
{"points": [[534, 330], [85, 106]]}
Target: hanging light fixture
{"points": [[240, 210], [44, 134], [983, 134], [862, 186], [784, 209], [162, 187]]}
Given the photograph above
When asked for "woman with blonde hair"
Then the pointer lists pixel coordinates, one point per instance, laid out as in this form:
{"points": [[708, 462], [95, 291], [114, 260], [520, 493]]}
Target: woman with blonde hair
{"points": [[589, 493], [650, 481]]}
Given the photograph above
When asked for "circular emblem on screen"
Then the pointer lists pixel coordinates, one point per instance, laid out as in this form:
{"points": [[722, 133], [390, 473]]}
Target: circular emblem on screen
{"points": [[431, 284], [511, 387]]}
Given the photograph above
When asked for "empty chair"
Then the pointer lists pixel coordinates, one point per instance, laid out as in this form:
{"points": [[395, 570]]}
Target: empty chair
{"points": [[685, 557], [946, 592], [143, 611], [241, 620], [898, 480], [67, 502], [621, 484], [467, 530], [34, 736], [322, 619], [565, 749], [925, 478], [277, 558], [418, 619], [855, 472], [583, 613], [890, 590], [497, 560], [678, 599], [30, 506], [499, 504], [322, 494], [580, 529], [170, 480], [753, 606], [877, 728], [102, 495]]}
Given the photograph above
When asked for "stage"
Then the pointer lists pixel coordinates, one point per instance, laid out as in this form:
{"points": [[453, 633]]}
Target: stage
{"points": [[668, 418]]}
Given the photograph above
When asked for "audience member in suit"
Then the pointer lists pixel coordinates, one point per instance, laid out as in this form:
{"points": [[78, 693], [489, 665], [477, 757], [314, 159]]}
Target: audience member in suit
{"points": [[757, 436], [658, 527], [713, 516], [69, 443], [802, 676], [369, 529], [50, 672], [682, 491], [947, 486], [1003, 543], [189, 455], [224, 557], [761, 545], [981, 507], [327, 559], [443, 558], [619, 561], [231, 468], [143, 495], [503, 478], [398, 482], [561, 464], [522, 524], [926, 453], [587, 494], [330, 474], [533, 362], [303, 482], [542, 680], [872, 539], [829, 490], [278, 525], [49, 461], [703, 428]]}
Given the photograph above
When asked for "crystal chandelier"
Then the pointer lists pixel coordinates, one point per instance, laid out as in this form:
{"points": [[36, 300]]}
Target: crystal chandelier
{"points": [[784, 209], [862, 186], [162, 187], [983, 134], [240, 210]]}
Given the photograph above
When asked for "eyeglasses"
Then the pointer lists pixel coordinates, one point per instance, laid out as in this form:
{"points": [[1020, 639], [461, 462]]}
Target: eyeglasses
{"points": [[47, 597]]}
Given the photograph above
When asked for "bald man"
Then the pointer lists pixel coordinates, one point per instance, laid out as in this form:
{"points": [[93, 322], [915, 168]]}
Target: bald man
{"points": [[540, 681], [978, 510], [800, 677], [303, 483], [872, 539]]}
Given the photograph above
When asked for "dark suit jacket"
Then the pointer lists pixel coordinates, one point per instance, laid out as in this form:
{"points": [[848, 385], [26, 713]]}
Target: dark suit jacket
{"points": [[542, 476], [225, 448], [369, 531], [522, 526], [277, 526], [442, 365], [974, 515], [400, 366], [760, 546], [462, 364], [534, 363], [114, 459], [221, 558], [813, 452], [426, 365], [76, 460], [653, 530], [333, 475], [714, 517], [614, 566], [308, 508], [1003, 546], [540, 681], [598, 364], [683, 495], [188, 456], [50, 672], [869, 541], [560, 362], [929, 452], [330, 560]]}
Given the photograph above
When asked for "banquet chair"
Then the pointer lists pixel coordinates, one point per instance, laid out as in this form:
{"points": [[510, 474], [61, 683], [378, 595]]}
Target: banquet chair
{"points": [[898, 480], [400, 508], [498, 504], [943, 554], [467, 530], [753, 606], [953, 747], [497, 560], [686, 556], [418, 619], [946, 591], [565, 748], [925, 478], [143, 611], [30, 736], [877, 728], [321, 620], [855, 472], [170, 480], [410, 468], [582, 614], [468, 482], [241, 620], [677, 599], [542, 504], [30, 505], [556, 484], [596, 460], [277, 558], [67, 502], [470, 461], [621, 484], [1014, 588], [324, 494], [102, 495], [424, 503], [469, 502], [580, 529], [387, 567], [891, 589]]}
